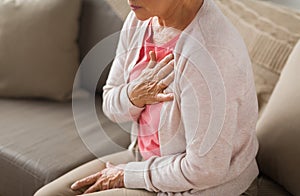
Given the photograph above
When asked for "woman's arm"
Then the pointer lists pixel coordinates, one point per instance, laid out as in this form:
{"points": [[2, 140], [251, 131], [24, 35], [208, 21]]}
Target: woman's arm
{"points": [[116, 104]]}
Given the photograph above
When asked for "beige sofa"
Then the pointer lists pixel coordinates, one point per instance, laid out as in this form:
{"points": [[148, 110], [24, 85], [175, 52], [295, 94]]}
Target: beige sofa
{"points": [[40, 141]]}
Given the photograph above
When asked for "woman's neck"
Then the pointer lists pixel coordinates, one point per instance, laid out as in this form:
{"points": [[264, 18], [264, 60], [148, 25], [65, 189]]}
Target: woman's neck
{"points": [[181, 15]]}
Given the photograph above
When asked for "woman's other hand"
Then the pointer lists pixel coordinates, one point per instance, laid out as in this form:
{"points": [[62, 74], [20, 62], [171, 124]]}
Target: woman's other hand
{"points": [[109, 178], [149, 87]]}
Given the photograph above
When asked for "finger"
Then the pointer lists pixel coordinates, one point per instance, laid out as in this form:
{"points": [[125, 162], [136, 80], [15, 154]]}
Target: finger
{"points": [[161, 97], [153, 60], [164, 83], [166, 70], [97, 186], [165, 60], [94, 188], [85, 181], [152, 56], [115, 180], [106, 185]]}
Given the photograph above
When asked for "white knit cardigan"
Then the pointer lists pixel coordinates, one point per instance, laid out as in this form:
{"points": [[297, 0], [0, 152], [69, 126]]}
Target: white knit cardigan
{"points": [[207, 133]]}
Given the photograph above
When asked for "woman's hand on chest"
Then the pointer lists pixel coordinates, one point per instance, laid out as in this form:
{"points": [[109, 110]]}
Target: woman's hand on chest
{"points": [[149, 86]]}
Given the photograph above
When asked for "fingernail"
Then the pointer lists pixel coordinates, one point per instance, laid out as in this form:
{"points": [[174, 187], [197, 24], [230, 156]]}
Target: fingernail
{"points": [[171, 62], [73, 186]]}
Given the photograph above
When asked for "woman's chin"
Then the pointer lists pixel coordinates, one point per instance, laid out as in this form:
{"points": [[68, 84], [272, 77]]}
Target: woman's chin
{"points": [[141, 17]]}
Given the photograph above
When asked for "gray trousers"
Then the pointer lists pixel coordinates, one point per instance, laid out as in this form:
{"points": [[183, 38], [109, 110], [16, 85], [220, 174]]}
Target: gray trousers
{"points": [[61, 186]]}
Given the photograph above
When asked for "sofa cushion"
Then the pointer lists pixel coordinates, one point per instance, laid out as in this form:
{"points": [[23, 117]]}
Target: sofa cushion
{"points": [[39, 142], [121, 8], [278, 129], [267, 187], [38, 49], [97, 22], [270, 33]]}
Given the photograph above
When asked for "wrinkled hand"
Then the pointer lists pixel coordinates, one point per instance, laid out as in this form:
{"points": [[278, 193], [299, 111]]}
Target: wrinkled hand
{"points": [[149, 87], [109, 178]]}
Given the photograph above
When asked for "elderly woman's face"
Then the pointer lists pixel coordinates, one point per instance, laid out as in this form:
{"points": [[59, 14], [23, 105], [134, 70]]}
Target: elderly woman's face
{"points": [[145, 9]]}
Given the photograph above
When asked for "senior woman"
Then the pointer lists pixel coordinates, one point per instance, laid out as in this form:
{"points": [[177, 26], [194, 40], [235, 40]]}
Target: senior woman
{"points": [[183, 76]]}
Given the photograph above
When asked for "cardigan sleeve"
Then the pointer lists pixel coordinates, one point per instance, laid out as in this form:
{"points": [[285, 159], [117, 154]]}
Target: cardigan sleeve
{"points": [[209, 150], [116, 104]]}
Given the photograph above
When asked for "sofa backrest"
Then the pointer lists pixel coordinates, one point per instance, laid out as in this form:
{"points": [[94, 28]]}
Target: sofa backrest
{"points": [[270, 32], [289, 3], [97, 21], [278, 129]]}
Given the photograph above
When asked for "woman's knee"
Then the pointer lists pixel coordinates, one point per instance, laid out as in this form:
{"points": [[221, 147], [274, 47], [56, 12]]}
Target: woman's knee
{"points": [[57, 189]]}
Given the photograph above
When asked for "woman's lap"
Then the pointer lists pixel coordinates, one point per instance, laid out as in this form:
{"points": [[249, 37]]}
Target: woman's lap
{"points": [[61, 186]]}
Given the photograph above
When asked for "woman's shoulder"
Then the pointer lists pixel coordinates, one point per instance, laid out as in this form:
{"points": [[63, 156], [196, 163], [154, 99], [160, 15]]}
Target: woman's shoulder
{"points": [[213, 41], [219, 37], [214, 31]]}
